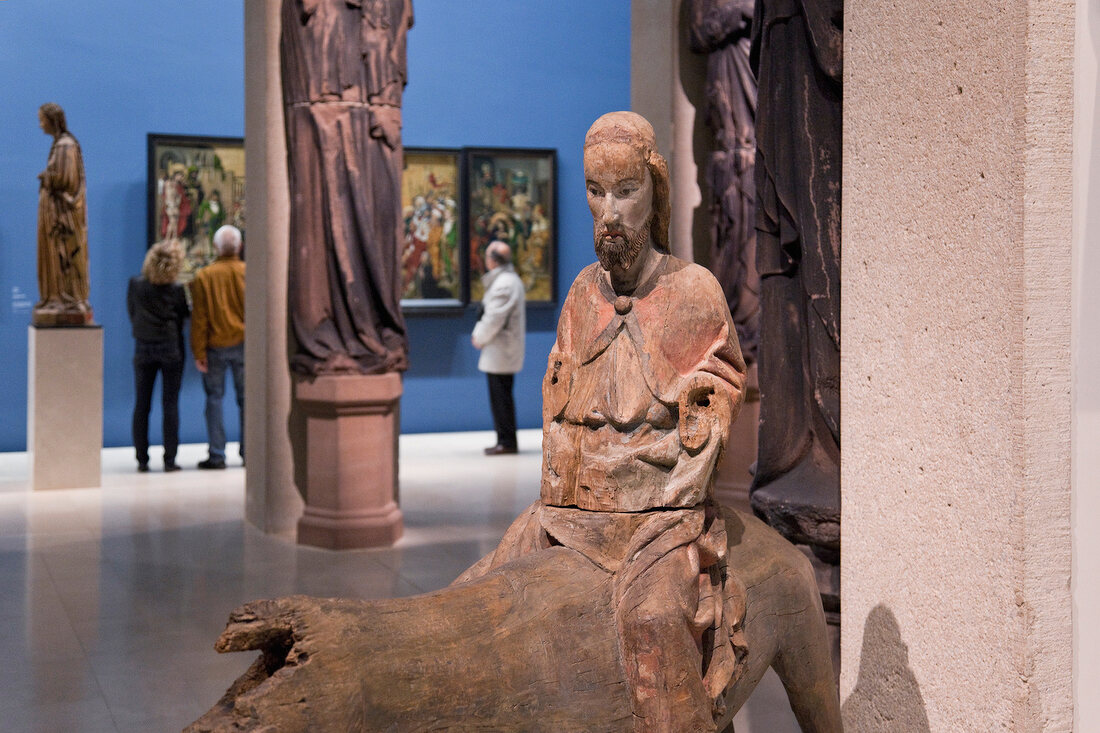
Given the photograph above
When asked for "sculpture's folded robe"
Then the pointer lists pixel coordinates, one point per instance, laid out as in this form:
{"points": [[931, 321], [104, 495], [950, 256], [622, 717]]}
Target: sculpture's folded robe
{"points": [[624, 430]]}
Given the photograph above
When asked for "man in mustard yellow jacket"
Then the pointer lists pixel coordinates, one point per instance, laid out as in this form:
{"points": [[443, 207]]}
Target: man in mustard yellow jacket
{"points": [[217, 336]]}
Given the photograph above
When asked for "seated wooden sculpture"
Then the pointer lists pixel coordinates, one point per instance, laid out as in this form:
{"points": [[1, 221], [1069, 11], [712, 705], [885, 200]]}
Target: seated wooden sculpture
{"points": [[625, 599]]}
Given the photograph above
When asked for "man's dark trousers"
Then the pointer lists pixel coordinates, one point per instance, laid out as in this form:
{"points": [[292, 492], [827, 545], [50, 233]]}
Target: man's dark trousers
{"points": [[504, 408]]}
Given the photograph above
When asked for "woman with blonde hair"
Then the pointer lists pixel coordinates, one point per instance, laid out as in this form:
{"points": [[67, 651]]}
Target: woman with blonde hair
{"points": [[158, 307]]}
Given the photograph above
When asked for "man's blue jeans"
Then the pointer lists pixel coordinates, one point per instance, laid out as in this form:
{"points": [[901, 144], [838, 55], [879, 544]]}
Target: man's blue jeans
{"points": [[217, 362]]}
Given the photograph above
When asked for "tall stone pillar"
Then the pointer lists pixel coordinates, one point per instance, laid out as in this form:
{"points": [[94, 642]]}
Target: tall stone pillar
{"points": [[956, 393], [1086, 358], [663, 94], [272, 502]]}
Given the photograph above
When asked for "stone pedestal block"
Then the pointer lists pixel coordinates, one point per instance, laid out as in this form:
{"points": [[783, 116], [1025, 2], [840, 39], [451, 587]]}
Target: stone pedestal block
{"points": [[351, 461], [64, 406]]}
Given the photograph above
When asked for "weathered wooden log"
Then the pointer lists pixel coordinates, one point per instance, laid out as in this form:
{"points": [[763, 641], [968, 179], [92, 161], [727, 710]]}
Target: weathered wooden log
{"points": [[530, 646], [784, 624]]}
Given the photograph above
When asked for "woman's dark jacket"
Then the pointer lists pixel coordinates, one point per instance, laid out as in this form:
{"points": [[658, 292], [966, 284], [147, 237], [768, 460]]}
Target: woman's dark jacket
{"points": [[157, 313]]}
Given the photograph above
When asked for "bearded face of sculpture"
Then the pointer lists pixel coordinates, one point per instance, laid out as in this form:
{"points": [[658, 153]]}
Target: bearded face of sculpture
{"points": [[620, 196]]}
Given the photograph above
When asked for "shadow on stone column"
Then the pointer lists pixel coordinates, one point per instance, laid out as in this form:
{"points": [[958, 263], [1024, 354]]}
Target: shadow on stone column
{"points": [[887, 695]]}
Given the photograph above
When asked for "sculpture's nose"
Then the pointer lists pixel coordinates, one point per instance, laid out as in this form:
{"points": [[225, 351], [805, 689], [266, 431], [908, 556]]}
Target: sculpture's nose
{"points": [[612, 216]]}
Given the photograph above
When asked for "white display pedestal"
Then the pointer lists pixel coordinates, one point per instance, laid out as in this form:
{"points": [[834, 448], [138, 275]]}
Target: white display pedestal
{"points": [[64, 406]]}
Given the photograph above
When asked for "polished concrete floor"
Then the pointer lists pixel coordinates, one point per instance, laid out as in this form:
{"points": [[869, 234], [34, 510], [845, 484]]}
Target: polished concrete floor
{"points": [[111, 598]]}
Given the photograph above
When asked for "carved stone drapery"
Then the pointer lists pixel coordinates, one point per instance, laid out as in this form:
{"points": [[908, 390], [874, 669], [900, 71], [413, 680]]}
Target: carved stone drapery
{"points": [[344, 70], [720, 30]]}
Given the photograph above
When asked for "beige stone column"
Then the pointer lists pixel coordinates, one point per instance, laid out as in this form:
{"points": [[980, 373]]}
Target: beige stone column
{"points": [[665, 87], [272, 503], [1086, 326], [956, 392]]}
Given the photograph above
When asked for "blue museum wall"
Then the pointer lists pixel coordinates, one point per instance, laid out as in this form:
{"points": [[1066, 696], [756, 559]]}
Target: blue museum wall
{"points": [[508, 74], [486, 73], [121, 69]]}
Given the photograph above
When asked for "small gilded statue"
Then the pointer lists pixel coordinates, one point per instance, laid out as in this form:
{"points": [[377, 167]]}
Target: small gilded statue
{"points": [[62, 229]]}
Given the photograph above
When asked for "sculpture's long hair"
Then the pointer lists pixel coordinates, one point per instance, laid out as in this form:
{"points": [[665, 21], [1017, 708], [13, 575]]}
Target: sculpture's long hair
{"points": [[55, 116], [162, 263], [662, 201], [630, 128]]}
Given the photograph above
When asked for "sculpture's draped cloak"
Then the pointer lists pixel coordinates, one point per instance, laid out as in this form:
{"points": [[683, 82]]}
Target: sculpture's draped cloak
{"points": [[619, 370], [797, 54], [344, 70], [720, 29], [63, 227]]}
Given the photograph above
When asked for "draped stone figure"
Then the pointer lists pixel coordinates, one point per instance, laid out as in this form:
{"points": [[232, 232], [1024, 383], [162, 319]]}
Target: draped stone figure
{"points": [[796, 53], [624, 599], [62, 229], [344, 71], [720, 29]]}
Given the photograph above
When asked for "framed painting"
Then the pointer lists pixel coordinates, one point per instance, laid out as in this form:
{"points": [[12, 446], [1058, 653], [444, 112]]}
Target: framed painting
{"points": [[433, 268], [511, 195], [196, 184]]}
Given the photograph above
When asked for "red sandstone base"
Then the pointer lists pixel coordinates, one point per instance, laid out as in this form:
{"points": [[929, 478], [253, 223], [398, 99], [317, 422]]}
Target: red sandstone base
{"points": [[351, 461]]}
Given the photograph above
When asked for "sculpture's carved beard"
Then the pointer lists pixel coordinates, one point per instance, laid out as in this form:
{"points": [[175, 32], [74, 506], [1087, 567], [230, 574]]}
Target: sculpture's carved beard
{"points": [[620, 248]]}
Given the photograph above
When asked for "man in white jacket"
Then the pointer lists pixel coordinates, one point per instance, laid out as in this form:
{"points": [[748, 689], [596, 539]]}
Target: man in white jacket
{"points": [[499, 334]]}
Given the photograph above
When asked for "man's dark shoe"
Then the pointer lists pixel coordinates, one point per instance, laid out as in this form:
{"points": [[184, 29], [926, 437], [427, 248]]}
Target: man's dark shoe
{"points": [[211, 464], [500, 450], [143, 468], [171, 466]]}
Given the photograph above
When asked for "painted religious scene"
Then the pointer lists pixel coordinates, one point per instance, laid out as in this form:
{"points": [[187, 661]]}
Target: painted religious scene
{"points": [[512, 198], [431, 266], [196, 184]]}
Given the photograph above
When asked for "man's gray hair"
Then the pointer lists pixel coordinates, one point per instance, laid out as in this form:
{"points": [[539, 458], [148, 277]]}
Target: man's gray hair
{"points": [[499, 251], [228, 240]]}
